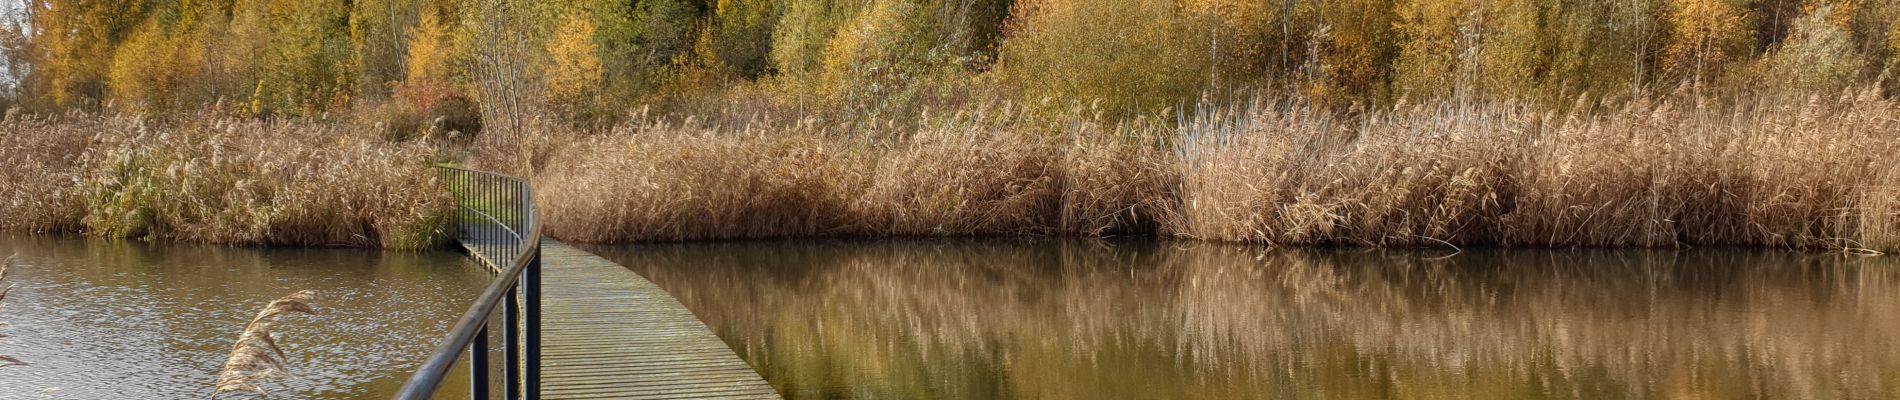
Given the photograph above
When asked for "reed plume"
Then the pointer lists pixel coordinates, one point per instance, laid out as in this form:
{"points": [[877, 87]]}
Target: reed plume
{"points": [[256, 357]]}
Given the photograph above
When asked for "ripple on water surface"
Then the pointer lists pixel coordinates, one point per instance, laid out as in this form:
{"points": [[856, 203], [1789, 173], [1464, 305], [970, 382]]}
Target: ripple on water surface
{"points": [[129, 320]]}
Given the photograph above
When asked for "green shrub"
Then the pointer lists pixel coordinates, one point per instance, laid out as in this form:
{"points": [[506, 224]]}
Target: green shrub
{"points": [[1817, 58], [800, 39], [741, 35], [878, 53]]}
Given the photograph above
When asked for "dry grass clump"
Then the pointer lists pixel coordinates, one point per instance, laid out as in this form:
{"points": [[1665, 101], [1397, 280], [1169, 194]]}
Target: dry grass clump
{"points": [[668, 181], [1293, 175], [255, 357], [1879, 211], [39, 161], [664, 181], [1115, 180], [219, 180], [971, 181]]}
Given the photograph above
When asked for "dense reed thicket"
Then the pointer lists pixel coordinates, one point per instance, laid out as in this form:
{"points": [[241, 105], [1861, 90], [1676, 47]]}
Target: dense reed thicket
{"points": [[1812, 175], [1817, 175], [217, 180]]}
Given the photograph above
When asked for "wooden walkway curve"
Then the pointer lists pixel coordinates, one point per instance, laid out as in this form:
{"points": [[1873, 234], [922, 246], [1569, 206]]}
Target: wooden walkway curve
{"points": [[608, 333]]}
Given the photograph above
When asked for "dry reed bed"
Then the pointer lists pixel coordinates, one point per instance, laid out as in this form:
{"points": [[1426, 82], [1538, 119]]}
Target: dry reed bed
{"points": [[218, 181], [1817, 175], [1812, 175], [665, 182]]}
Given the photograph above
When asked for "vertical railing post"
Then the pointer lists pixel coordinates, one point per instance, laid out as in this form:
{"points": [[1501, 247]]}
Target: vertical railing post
{"points": [[511, 350], [478, 364], [532, 331]]}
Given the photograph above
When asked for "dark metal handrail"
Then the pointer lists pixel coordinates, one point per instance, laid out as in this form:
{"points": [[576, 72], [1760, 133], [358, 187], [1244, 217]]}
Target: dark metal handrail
{"points": [[514, 236]]}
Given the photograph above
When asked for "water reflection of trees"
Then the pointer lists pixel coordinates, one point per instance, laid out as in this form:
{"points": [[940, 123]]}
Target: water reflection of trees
{"points": [[1076, 319]]}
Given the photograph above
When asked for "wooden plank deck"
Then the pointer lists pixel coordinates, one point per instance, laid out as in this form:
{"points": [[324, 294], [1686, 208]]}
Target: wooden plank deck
{"points": [[608, 333]]}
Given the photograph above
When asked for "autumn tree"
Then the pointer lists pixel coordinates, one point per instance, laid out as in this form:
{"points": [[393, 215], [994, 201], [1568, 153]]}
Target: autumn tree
{"points": [[574, 70], [15, 52], [1058, 53], [1239, 36], [428, 59], [379, 41], [740, 37], [152, 70], [298, 53], [1604, 48], [1350, 52], [73, 44], [1817, 57], [1706, 36], [800, 39], [1475, 49]]}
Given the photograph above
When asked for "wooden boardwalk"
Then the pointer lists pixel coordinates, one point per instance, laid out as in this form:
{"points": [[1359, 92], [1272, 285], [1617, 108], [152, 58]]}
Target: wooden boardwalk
{"points": [[608, 333]]}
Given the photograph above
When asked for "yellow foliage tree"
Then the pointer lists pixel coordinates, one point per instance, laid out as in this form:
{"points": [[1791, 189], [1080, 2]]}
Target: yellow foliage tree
{"points": [[740, 35], [1818, 57], [151, 69], [1239, 37], [1604, 48], [1483, 49], [1516, 51], [73, 50], [1352, 52], [878, 49], [428, 55], [377, 41], [802, 35], [1706, 36], [1134, 57], [574, 70]]}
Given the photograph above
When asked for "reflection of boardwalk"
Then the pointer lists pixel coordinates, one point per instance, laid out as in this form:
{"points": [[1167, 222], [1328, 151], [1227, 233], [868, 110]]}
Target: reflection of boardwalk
{"points": [[609, 333]]}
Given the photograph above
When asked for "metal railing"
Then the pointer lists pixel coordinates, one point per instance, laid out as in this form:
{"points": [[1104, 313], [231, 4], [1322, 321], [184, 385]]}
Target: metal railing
{"points": [[496, 221]]}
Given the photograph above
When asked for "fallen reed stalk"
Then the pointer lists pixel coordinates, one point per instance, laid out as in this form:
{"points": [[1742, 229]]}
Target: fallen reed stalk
{"points": [[255, 357]]}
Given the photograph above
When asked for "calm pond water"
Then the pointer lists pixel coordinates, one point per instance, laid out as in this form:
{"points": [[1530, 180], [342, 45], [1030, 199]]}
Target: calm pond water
{"points": [[966, 319], [131, 320]]}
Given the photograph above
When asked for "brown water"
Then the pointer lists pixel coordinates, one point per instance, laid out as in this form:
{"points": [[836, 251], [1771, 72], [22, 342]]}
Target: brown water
{"points": [[967, 319], [131, 320]]}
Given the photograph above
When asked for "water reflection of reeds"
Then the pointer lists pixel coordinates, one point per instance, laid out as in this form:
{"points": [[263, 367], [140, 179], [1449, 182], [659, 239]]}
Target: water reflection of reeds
{"points": [[1078, 319]]}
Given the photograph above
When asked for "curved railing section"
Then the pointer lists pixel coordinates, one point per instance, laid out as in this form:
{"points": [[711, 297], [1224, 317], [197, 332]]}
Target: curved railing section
{"points": [[495, 220]]}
